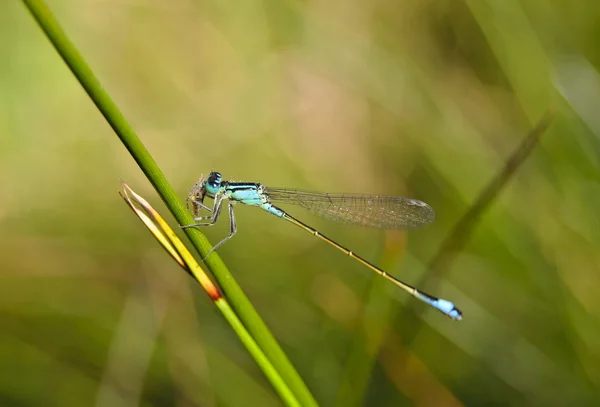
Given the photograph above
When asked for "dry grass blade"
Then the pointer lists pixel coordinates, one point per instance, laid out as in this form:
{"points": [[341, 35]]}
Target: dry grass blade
{"points": [[169, 240]]}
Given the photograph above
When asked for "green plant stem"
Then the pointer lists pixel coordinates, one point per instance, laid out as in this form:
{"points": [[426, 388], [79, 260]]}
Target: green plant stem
{"points": [[240, 303], [168, 239], [280, 386]]}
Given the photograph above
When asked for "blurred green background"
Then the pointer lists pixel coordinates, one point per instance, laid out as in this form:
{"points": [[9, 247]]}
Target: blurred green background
{"points": [[416, 98]]}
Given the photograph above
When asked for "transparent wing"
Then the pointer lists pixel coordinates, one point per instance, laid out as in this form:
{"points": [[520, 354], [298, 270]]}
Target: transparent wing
{"points": [[373, 211]]}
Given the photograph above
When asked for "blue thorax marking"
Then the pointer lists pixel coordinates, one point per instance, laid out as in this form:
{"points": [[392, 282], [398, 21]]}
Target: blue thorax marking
{"points": [[250, 194], [245, 193]]}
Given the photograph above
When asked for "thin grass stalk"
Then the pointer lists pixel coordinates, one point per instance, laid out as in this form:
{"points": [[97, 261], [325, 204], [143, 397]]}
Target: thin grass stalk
{"points": [[240, 303]]}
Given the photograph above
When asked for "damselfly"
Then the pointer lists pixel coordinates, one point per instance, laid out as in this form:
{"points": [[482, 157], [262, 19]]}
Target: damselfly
{"points": [[383, 212]]}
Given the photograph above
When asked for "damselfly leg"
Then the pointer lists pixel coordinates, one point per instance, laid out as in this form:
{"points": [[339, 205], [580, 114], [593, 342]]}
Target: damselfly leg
{"points": [[214, 217]]}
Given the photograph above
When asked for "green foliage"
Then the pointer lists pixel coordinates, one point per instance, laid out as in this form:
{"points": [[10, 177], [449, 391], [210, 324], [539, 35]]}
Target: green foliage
{"points": [[424, 99]]}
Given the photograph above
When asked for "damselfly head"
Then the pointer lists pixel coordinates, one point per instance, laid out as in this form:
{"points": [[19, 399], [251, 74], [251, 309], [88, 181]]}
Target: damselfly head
{"points": [[213, 183]]}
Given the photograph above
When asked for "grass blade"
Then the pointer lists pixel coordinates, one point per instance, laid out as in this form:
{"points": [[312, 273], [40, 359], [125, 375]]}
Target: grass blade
{"points": [[240, 303]]}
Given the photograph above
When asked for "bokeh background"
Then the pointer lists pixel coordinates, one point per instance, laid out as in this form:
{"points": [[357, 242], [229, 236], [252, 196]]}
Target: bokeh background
{"points": [[417, 98]]}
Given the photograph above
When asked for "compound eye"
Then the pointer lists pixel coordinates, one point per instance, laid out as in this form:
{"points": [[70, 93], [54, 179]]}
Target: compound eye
{"points": [[214, 179]]}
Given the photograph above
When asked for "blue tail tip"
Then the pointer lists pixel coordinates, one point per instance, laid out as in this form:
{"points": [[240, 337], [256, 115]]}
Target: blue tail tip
{"points": [[449, 309]]}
